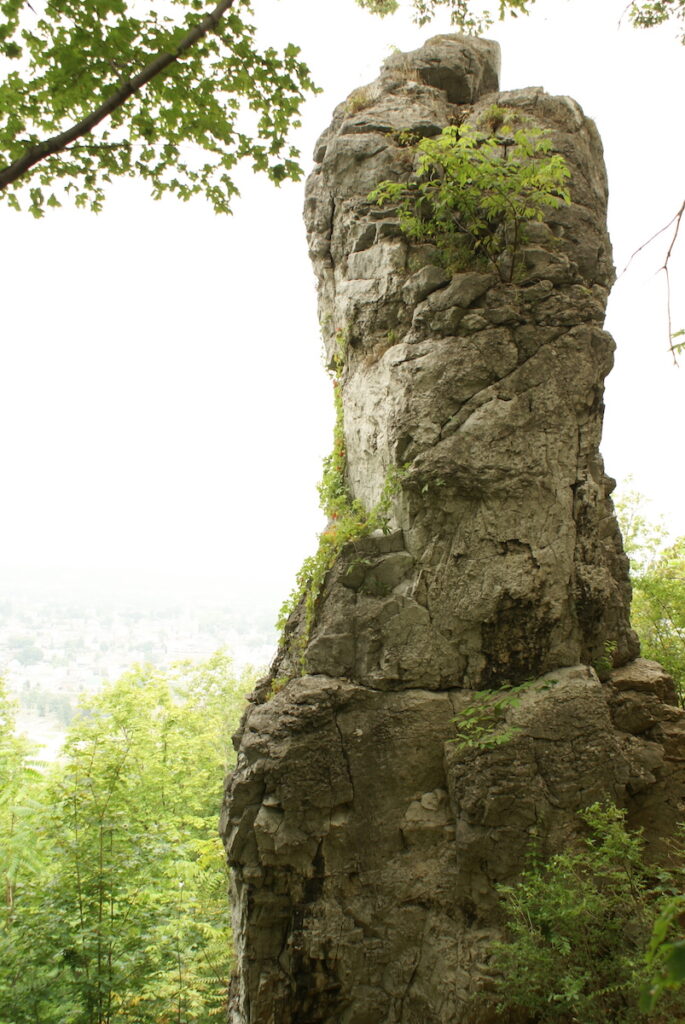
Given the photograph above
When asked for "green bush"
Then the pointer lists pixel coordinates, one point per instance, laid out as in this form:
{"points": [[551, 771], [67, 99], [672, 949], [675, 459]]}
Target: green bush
{"points": [[475, 192], [579, 928]]}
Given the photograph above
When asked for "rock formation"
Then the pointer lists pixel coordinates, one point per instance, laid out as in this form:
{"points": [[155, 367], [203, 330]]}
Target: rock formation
{"points": [[365, 844]]}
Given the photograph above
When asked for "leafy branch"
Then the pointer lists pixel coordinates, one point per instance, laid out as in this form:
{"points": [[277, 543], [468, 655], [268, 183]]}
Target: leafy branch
{"points": [[95, 91], [665, 956], [463, 15], [83, 127]]}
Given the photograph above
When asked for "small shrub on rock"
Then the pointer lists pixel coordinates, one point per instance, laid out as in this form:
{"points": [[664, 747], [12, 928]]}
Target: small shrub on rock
{"points": [[474, 192]]}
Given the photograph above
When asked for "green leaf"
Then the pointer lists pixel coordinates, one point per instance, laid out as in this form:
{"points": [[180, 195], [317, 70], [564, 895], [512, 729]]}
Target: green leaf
{"points": [[675, 963]]}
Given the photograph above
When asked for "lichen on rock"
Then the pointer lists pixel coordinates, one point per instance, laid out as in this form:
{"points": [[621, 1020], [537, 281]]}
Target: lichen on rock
{"points": [[365, 844]]}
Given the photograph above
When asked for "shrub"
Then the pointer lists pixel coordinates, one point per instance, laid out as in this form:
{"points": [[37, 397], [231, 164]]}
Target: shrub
{"points": [[474, 192], [578, 929]]}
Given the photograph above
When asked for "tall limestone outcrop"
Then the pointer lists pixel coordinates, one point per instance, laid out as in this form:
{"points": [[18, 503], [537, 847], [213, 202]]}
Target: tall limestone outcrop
{"points": [[365, 844]]}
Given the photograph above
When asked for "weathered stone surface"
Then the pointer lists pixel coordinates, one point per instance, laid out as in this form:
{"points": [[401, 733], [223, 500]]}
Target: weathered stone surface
{"points": [[463, 69], [366, 845], [491, 393]]}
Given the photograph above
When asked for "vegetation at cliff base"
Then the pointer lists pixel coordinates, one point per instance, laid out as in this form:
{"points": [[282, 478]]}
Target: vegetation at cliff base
{"points": [[578, 930], [114, 878]]}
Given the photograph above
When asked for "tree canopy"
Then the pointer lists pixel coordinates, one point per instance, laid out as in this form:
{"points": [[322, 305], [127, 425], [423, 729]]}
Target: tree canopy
{"points": [[473, 16], [169, 91], [114, 877], [177, 98]]}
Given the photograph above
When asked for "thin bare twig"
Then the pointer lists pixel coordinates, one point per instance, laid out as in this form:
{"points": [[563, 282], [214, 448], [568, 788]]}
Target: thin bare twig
{"points": [[677, 220], [625, 10], [676, 217]]}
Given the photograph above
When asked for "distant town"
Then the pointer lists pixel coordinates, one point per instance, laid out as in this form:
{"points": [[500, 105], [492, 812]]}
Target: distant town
{"points": [[63, 634]]}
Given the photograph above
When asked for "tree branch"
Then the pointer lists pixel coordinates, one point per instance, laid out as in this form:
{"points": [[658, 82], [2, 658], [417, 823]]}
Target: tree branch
{"points": [[675, 219], [678, 218], [162, 61]]}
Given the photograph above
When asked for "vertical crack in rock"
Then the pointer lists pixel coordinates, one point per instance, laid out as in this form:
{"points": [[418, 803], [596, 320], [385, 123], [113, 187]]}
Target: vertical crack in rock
{"points": [[347, 764], [365, 844]]}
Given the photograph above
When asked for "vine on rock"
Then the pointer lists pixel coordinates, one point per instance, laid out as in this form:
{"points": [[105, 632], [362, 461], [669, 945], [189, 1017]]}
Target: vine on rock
{"points": [[474, 191], [348, 519]]}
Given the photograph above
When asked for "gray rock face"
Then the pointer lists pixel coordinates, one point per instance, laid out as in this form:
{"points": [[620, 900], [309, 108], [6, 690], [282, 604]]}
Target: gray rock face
{"points": [[365, 845], [490, 393]]}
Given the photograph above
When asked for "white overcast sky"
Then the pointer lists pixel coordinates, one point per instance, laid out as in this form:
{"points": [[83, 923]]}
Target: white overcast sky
{"points": [[163, 404]]}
